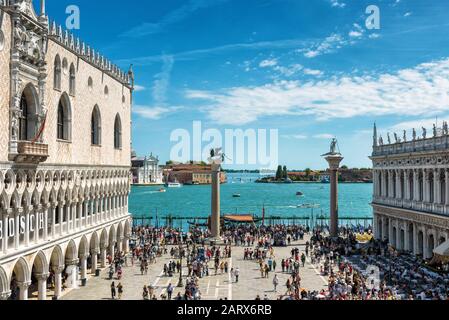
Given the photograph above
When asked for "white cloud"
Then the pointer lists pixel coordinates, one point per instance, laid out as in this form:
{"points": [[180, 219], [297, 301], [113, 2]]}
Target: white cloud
{"points": [[374, 36], [355, 34], [337, 4], [295, 136], [290, 70], [330, 44], [422, 90], [138, 88], [416, 124], [162, 80], [153, 113], [407, 14], [268, 63], [325, 136], [312, 72]]}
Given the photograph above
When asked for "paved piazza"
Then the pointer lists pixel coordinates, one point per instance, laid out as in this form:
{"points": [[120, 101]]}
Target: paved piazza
{"points": [[213, 287]]}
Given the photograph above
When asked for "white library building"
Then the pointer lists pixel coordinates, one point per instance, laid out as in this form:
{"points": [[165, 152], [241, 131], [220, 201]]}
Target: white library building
{"points": [[411, 191], [65, 117]]}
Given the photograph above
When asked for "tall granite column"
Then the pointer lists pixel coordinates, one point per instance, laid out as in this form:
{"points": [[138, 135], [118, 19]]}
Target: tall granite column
{"points": [[334, 161], [215, 217]]}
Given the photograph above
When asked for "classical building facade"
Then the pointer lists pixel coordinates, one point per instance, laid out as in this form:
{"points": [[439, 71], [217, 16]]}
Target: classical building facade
{"points": [[146, 170], [411, 190], [63, 195]]}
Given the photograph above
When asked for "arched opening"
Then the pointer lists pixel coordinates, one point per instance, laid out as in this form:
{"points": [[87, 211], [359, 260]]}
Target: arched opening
{"points": [[431, 187], [379, 229], [96, 127], [420, 243], [84, 258], [57, 73], [431, 246], [56, 269], [441, 241], [71, 261], [39, 277], [442, 185], [5, 290], [20, 280], [28, 114], [420, 186], [117, 132], [72, 80], [94, 252], [64, 118], [401, 245], [387, 228], [394, 240], [411, 186]]}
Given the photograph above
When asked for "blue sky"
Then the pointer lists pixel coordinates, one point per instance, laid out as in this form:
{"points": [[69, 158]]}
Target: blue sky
{"points": [[310, 69]]}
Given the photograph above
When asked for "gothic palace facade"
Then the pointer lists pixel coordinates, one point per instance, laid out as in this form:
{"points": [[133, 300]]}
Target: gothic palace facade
{"points": [[411, 191], [63, 195]]}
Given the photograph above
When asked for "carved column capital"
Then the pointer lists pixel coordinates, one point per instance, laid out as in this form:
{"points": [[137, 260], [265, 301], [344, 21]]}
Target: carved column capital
{"points": [[58, 270], [41, 276]]}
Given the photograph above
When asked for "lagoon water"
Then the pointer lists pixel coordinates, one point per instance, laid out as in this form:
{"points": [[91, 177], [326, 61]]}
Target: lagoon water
{"points": [[278, 199]]}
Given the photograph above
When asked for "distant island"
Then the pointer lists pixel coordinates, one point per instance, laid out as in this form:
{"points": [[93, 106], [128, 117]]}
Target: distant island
{"points": [[347, 175]]}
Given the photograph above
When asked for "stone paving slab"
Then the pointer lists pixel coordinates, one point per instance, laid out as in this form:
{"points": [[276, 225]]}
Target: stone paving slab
{"points": [[213, 287]]}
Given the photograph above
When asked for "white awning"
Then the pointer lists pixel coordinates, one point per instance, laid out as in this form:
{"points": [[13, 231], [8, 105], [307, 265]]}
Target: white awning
{"points": [[442, 250]]}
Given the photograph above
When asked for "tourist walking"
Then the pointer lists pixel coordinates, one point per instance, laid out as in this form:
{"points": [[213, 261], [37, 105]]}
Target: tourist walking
{"points": [[120, 291], [145, 294], [275, 282], [113, 291], [237, 274], [170, 291]]}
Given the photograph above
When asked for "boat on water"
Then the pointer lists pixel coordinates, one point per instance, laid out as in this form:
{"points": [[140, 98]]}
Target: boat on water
{"points": [[236, 195], [162, 190], [308, 206], [299, 193], [174, 185]]}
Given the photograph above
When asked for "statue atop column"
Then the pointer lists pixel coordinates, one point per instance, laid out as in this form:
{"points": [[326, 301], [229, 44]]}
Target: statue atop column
{"points": [[333, 150]]}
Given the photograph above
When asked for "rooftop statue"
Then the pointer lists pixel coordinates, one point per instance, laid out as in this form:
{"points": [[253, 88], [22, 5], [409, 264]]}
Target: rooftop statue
{"points": [[396, 138], [405, 136], [424, 133], [435, 131], [445, 128], [381, 141], [388, 138], [414, 134]]}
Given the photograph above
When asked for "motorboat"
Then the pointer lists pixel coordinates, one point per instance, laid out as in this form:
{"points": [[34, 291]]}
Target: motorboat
{"points": [[236, 195], [162, 190], [299, 193], [174, 185]]}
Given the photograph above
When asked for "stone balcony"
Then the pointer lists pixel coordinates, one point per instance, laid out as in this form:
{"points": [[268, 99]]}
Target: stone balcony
{"points": [[434, 208], [28, 152]]}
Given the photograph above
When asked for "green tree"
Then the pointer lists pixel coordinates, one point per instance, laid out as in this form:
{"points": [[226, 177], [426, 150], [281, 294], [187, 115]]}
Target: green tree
{"points": [[285, 172], [279, 173], [344, 167], [308, 171]]}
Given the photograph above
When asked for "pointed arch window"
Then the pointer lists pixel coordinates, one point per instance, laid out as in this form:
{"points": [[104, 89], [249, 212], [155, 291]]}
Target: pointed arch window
{"points": [[64, 119], [57, 73], [96, 127], [23, 119], [117, 132], [72, 87]]}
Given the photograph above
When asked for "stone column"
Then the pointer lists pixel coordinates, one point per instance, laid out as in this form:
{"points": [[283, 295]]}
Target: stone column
{"points": [[216, 211], [334, 161], [415, 240], [436, 187], [45, 223], [83, 267], [426, 182], [58, 281], [17, 227], [42, 286], [103, 255], [390, 231], [446, 176], [398, 236], [23, 290], [72, 273], [5, 231], [27, 227], [5, 295], [426, 243], [94, 255], [406, 237], [120, 244], [406, 193], [37, 210], [126, 244], [53, 222], [416, 185]]}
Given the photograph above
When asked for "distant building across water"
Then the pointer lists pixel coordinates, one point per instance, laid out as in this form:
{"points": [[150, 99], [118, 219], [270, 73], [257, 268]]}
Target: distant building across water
{"points": [[146, 170], [190, 174]]}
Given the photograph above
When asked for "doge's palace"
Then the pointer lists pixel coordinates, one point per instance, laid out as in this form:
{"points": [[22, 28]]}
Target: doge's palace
{"points": [[411, 190], [63, 194]]}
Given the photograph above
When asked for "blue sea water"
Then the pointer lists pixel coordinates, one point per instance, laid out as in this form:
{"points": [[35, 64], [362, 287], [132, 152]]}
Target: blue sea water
{"points": [[278, 199]]}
